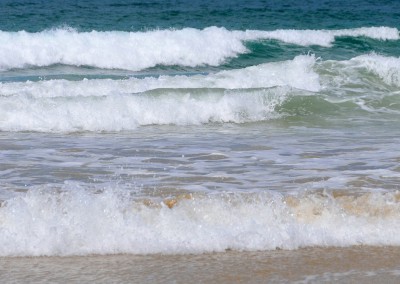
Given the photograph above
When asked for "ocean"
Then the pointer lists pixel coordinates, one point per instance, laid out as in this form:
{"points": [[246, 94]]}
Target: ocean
{"points": [[208, 141]]}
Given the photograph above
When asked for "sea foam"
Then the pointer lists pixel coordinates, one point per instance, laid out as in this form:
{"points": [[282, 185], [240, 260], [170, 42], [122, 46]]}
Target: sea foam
{"points": [[369, 77], [256, 93], [244, 95], [129, 111], [75, 221], [322, 37], [386, 68], [140, 50]]}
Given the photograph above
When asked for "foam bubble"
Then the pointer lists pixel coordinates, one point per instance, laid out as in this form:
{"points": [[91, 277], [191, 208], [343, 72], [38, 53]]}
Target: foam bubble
{"points": [[140, 50], [79, 222]]}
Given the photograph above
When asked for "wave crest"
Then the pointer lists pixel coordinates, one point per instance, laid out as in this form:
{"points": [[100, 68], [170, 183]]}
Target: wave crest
{"points": [[78, 222], [140, 50]]}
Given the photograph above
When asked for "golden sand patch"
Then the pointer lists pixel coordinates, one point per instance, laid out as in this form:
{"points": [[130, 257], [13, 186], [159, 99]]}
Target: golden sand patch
{"points": [[313, 205], [171, 202]]}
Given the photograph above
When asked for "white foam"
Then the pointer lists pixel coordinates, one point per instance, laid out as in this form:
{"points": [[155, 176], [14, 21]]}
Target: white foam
{"points": [[386, 68], [297, 73], [78, 222], [141, 50], [121, 50], [127, 112], [228, 96], [323, 37], [371, 81]]}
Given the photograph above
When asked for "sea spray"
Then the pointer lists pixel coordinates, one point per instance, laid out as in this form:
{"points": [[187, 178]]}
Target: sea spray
{"points": [[80, 222]]}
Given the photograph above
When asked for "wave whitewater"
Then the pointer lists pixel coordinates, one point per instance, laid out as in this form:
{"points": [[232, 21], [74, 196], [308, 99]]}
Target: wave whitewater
{"points": [[302, 86], [237, 96], [140, 50], [63, 222]]}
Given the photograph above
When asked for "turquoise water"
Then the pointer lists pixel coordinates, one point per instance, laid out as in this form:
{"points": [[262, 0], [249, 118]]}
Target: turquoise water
{"points": [[190, 127], [36, 16]]}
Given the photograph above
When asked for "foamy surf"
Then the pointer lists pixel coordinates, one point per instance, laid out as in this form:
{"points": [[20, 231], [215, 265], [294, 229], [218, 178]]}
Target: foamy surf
{"points": [[79, 222], [243, 95], [299, 87], [177, 138], [140, 50], [129, 111], [387, 68], [297, 73], [364, 70], [323, 37]]}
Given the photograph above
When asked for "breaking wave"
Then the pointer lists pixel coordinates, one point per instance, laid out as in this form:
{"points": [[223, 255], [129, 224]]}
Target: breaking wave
{"points": [[298, 87], [140, 50], [79, 222]]}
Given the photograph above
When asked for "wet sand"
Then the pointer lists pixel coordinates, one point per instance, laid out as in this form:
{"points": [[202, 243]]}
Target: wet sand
{"points": [[309, 265]]}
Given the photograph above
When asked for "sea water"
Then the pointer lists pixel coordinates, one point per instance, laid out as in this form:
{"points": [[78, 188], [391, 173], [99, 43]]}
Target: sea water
{"points": [[191, 127]]}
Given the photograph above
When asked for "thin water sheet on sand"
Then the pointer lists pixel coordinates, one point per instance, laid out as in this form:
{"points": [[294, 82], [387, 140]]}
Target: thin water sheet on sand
{"points": [[360, 264]]}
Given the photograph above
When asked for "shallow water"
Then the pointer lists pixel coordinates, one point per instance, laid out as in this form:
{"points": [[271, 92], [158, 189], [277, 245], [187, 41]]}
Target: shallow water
{"points": [[312, 265], [236, 187], [225, 141]]}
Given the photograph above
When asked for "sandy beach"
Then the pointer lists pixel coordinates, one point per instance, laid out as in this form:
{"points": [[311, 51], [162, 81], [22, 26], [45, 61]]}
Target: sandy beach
{"points": [[360, 264]]}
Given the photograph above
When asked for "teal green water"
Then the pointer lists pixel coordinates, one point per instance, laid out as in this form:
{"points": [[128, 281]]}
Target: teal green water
{"points": [[108, 15], [36, 16]]}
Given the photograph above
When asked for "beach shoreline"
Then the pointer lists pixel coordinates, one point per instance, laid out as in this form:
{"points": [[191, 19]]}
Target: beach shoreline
{"points": [[199, 142], [366, 264]]}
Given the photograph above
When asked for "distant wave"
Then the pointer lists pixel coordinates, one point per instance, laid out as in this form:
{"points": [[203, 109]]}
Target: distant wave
{"points": [[140, 50], [75, 221]]}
